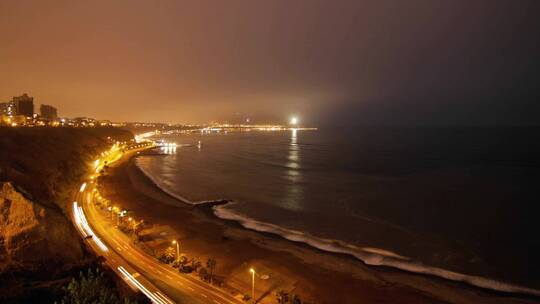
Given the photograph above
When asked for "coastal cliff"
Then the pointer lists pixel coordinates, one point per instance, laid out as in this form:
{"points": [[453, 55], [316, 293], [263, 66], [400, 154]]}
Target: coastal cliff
{"points": [[39, 170], [31, 233]]}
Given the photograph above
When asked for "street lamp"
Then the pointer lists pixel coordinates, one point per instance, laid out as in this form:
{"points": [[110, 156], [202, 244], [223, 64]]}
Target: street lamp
{"points": [[132, 224], [177, 250], [252, 284], [113, 211]]}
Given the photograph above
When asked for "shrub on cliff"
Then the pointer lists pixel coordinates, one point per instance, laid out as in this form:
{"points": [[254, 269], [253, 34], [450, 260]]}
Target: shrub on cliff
{"points": [[92, 287]]}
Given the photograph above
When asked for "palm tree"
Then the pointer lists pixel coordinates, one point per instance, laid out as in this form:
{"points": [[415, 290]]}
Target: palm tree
{"points": [[169, 254], [211, 264]]}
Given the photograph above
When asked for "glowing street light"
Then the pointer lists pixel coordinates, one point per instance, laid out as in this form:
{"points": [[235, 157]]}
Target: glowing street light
{"points": [[132, 224], [113, 211], [177, 250], [252, 284], [118, 213]]}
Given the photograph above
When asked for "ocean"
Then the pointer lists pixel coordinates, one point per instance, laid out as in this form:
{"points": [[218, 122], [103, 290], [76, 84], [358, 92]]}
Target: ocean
{"points": [[457, 203]]}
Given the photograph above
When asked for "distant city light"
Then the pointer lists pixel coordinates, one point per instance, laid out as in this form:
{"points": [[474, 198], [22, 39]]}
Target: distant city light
{"points": [[294, 121]]}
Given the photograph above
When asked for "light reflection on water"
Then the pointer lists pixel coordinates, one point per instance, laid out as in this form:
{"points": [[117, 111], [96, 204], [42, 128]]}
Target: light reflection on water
{"points": [[168, 149], [294, 193], [167, 166], [398, 190]]}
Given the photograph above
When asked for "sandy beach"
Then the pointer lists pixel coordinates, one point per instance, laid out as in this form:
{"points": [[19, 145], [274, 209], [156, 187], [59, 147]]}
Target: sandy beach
{"points": [[317, 276]]}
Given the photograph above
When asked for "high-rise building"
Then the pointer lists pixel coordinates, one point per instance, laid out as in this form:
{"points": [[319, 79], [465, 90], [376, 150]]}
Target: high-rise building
{"points": [[48, 112], [24, 105]]}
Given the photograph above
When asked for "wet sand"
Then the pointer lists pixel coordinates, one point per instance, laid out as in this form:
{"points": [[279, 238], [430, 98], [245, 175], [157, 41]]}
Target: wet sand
{"points": [[317, 276]]}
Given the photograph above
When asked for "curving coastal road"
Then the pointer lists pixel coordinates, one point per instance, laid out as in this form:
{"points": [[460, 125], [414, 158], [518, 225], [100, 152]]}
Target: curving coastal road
{"points": [[160, 283]]}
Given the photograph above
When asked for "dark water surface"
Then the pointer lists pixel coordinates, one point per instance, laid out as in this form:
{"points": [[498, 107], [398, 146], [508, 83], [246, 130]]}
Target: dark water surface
{"points": [[461, 199]]}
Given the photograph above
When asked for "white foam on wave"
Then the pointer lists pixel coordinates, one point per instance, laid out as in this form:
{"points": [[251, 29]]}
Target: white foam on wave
{"points": [[369, 255]]}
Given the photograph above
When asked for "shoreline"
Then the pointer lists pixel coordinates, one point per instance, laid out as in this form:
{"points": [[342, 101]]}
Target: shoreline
{"points": [[369, 256], [340, 267]]}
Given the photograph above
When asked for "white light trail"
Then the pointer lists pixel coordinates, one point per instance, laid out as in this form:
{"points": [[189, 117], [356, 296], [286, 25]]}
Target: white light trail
{"points": [[163, 297], [78, 218], [83, 186], [81, 222], [151, 296]]}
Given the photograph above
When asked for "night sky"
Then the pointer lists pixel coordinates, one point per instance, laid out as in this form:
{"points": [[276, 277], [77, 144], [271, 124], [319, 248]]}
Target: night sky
{"points": [[329, 62]]}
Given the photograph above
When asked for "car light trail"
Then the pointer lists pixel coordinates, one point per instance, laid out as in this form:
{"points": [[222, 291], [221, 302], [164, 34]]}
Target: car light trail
{"points": [[77, 217], [80, 219], [83, 186], [163, 297], [153, 297]]}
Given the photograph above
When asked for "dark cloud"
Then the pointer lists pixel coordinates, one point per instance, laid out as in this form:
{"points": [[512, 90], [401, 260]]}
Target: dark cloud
{"points": [[387, 62]]}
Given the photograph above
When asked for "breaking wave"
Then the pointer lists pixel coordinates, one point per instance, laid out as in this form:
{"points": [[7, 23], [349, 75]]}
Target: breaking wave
{"points": [[368, 255]]}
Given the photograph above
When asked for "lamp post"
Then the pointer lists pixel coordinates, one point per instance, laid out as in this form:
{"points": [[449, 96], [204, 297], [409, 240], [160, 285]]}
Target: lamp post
{"points": [[252, 284], [177, 250], [111, 209], [114, 210], [132, 224]]}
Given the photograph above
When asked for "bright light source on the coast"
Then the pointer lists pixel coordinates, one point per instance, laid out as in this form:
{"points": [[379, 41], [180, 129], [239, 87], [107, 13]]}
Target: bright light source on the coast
{"points": [[294, 120], [252, 270]]}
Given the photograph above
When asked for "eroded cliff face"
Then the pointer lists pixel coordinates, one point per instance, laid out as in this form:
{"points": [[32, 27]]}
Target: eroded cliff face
{"points": [[31, 235]]}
